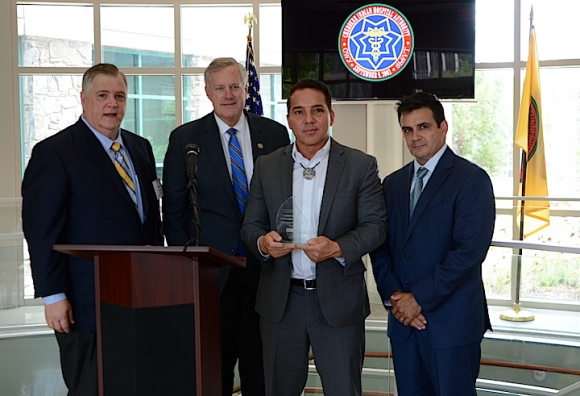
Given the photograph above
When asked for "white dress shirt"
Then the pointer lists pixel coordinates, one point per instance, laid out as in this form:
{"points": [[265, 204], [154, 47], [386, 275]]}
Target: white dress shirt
{"points": [[307, 200], [245, 140]]}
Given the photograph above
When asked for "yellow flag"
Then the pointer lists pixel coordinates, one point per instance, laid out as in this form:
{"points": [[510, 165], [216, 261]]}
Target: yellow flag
{"points": [[530, 138]]}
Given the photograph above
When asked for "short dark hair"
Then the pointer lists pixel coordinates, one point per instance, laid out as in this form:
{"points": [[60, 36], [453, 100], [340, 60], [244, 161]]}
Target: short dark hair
{"points": [[418, 100], [312, 84], [107, 69]]}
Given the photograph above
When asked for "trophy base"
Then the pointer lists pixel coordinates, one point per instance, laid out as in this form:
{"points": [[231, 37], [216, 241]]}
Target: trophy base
{"points": [[295, 243]]}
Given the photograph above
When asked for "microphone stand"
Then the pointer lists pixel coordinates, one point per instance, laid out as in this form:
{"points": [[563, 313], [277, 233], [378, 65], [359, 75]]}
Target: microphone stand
{"points": [[192, 187]]}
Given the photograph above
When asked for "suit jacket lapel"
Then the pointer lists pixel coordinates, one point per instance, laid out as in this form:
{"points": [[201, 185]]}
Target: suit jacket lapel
{"points": [[93, 150], [286, 169], [440, 173], [404, 195], [336, 162], [258, 138]]}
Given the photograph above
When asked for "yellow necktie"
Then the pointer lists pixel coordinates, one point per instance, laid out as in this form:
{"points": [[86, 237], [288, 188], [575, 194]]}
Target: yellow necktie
{"points": [[123, 170]]}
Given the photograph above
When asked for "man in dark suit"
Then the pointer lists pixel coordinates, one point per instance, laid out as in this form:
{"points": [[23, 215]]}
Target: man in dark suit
{"points": [[312, 293], [73, 194], [220, 208], [441, 212]]}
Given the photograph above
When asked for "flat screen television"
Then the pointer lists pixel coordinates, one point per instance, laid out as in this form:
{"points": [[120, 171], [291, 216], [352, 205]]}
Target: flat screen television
{"points": [[441, 55]]}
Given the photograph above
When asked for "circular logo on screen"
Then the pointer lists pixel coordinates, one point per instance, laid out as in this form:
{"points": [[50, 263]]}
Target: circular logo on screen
{"points": [[376, 42]]}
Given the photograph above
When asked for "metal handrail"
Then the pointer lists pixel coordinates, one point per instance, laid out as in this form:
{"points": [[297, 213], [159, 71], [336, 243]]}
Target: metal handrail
{"points": [[536, 246]]}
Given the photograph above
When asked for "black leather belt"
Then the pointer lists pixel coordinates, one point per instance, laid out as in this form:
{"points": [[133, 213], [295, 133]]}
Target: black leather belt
{"points": [[308, 284]]}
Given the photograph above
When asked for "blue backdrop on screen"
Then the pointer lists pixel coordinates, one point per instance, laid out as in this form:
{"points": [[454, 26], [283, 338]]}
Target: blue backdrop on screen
{"points": [[442, 62]]}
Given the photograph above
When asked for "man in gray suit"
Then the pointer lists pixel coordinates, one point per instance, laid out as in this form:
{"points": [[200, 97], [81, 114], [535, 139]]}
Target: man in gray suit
{"points": [[313, 294]]}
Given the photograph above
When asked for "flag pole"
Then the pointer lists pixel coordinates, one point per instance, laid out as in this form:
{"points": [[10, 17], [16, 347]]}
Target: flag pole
{"points": [[249, 20], [516, 314]]}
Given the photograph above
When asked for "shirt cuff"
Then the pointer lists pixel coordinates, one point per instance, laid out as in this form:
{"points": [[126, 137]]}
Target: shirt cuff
{"points": [[54, 298], [265, 257]]}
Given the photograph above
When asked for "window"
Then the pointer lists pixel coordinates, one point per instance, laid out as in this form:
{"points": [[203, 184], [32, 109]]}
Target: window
{"points": [[162, 48], [484, 132], [65, 42], [138, 36], [210, 31]]}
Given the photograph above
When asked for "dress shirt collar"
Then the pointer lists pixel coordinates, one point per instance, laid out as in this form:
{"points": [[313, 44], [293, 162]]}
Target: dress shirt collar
{"points": [[104, 140], [241, 127], [432, 163], [321, 155]]}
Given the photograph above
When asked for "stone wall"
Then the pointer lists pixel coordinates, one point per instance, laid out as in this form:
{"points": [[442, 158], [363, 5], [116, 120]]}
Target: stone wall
{"points": [[50, 52], [50, 103]]}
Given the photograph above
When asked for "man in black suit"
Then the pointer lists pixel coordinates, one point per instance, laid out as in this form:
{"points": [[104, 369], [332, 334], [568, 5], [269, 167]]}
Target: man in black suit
{"points": [[220, 208], [73, 194]]}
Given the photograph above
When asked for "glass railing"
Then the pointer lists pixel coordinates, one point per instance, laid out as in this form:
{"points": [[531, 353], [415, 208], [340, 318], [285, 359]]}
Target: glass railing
{"points": [[19, 312], [537, 357]]}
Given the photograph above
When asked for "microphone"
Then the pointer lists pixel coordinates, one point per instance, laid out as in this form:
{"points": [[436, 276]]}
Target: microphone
{"points": [[191, 152]]}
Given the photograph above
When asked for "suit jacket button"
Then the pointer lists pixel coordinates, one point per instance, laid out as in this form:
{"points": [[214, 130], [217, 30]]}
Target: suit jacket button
{"points": [[232, 251], [406, 257]]}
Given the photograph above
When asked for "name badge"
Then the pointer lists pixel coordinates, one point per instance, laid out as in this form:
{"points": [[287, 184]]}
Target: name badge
{"points": [[158, 188]]}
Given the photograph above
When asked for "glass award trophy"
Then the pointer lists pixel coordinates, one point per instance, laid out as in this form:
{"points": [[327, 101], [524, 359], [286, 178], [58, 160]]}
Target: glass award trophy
{"points": [[292, 225]]}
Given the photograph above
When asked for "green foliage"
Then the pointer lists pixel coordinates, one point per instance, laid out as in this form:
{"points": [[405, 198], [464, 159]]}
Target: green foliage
{"points": [[553, 272], [168, 110], [465, 68], [307, 63], [159, 151], [496, 272], [478, 134]]}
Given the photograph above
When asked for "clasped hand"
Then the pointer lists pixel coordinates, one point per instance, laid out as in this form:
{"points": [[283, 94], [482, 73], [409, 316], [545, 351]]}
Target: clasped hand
{"points": [[407, 310]]}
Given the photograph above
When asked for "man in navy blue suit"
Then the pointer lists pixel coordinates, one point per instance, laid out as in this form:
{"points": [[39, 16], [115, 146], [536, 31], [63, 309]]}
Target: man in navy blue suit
{"points": [[73, 194], [441, 213], [220, 215]]}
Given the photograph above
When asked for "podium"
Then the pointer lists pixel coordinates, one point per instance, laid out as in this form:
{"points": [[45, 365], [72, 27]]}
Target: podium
{"points": [[158, 316]]}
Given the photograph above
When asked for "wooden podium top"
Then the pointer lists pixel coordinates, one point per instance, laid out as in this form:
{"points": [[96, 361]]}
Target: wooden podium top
{"points": [[204, 253]]}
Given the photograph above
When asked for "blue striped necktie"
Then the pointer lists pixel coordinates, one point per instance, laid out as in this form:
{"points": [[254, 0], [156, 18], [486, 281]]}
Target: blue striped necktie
{"points": [[239, 180]]}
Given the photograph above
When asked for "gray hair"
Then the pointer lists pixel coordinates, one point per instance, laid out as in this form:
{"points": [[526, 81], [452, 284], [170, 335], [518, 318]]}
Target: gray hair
{"points": [[107, 69], [221, 63]]}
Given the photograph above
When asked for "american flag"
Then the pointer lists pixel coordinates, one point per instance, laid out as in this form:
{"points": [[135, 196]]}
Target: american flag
{"points": [[253, 99]]}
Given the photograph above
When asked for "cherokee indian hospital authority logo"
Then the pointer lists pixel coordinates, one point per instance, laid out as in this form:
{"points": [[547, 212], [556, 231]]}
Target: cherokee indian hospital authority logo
{"points": [[376, 42]]}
